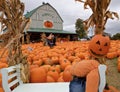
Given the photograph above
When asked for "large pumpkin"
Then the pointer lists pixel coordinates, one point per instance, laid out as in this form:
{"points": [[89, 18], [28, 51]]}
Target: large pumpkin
{"points": [[38, 75], [99, 45]]}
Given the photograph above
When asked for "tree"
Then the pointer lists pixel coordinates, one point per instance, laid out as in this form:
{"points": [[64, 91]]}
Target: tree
{"points": [[80, 28], [12, 18], [116, 36], [100, 14]]}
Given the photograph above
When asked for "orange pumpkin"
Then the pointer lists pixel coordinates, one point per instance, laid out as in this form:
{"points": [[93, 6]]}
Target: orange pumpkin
{"points": [[3, 65], [99, 45], [50, 79], [33, 66], [60, 79], [38, 75], [1, 89], [56, 68], [64, 62], [54, 74], [67, 76], [46, 67], [38, 62]]}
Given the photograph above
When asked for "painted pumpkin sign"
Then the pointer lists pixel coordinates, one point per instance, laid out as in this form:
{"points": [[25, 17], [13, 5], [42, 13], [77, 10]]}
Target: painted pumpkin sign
{"points": [[48, 24]]}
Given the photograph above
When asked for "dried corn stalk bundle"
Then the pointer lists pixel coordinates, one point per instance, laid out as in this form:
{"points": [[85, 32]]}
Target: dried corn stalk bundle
{"points": [[13, 21], [100, 14]]}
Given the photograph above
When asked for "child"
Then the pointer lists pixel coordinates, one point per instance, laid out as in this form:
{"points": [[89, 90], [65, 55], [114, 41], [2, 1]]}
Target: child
{"points": [[85, 73]]}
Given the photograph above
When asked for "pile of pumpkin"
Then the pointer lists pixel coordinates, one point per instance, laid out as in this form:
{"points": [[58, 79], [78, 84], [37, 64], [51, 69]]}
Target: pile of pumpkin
{"points": [[53, 64], [60, 58]]}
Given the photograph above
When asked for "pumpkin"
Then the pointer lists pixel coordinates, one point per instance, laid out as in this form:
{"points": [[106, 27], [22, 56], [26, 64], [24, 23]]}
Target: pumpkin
{"points": [[56, 68], [64, 62], [38, 62], [50, 79], [3, 65], [60, 79], [67, 76], [99, 45], [38, 75], [54, 74], [46, 67], [1, 89]]}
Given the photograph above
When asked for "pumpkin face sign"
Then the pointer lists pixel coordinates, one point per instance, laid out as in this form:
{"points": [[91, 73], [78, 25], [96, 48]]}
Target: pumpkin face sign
{"points": [[99, 45], [48, 24]]}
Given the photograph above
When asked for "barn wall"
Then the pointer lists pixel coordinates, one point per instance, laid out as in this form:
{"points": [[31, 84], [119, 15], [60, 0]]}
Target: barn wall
{"points": [[46, 13]]}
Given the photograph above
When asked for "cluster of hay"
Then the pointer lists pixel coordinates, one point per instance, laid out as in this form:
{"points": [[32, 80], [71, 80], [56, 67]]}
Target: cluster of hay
{"points": [[13, 21]]}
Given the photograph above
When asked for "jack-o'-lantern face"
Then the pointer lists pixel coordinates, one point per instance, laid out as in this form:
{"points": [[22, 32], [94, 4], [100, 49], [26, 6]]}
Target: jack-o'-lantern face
{"points": [[99, 45]]}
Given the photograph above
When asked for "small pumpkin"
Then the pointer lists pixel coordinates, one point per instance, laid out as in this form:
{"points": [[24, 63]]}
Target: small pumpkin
{"points": [[99, 45], [67, 76], [54, 74]]}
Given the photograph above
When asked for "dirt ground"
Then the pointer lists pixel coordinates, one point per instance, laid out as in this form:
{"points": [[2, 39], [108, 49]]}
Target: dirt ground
{"points": [[113, 77]]}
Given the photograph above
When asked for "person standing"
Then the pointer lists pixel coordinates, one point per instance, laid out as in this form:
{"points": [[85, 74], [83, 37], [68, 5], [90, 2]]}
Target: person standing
{"points": [[51, 40]]}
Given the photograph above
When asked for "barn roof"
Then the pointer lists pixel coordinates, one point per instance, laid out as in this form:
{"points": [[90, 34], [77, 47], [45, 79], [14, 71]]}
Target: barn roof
{"points": [[29, 14], [49, 31]]}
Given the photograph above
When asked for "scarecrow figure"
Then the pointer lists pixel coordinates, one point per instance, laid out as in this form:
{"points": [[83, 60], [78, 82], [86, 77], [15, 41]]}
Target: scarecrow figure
{"points": [[85, 73]]}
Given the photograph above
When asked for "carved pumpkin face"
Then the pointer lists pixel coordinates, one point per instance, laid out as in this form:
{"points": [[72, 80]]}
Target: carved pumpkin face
{"points": [[99, 45]]}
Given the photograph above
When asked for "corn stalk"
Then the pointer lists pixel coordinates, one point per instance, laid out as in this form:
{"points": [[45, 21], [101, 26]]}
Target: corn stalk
{"points": [[12, 20], [100, 14]]}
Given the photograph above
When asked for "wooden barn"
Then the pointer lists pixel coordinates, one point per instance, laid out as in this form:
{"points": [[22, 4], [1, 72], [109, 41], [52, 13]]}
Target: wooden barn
{"points": [[45, 19]]}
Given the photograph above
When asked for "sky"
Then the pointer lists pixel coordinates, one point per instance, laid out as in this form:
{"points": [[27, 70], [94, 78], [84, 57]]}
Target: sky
{"points": [[71, 10]]}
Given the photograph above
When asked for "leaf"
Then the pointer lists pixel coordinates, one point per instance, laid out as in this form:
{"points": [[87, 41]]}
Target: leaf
{"points": [[85, 5], [80, 1], [109, 14], [89, 21], [116, 14]]}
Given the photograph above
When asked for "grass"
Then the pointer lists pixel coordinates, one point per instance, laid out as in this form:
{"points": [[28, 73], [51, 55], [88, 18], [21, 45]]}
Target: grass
{"points": [[113, 76]]}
